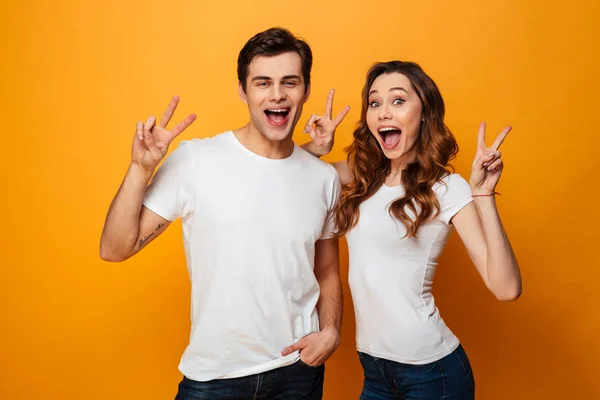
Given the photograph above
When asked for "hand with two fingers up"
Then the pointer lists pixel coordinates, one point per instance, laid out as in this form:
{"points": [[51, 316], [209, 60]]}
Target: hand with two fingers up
{"points": [[152, 141], [321, 128], [488, 164]]}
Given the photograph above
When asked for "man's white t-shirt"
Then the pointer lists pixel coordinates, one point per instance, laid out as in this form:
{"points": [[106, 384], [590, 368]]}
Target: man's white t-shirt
{"points": [[249, 226], [391, 277]]}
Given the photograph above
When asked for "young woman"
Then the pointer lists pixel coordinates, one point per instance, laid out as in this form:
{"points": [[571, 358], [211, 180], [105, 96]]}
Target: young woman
{"points": [[398, 205]]}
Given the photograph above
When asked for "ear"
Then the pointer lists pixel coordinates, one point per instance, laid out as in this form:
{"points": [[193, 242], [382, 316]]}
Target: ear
{"points": [[307, 94], [242, 93]]}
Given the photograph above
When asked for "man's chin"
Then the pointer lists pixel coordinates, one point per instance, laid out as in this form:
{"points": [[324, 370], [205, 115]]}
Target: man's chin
{"points": [[277, 134]]}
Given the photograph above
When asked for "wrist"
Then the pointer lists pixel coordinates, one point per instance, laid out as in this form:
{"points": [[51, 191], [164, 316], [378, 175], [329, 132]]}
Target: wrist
{"points": [[332, 334], [483, 193], [140, 172], [313, 149]]}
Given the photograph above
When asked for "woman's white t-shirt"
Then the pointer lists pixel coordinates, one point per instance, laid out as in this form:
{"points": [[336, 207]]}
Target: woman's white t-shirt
{"points": [[391, 277]]}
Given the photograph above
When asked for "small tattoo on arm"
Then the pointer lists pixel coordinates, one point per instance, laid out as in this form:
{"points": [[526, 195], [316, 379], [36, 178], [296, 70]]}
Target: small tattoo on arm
{"points": [[145, 239]]}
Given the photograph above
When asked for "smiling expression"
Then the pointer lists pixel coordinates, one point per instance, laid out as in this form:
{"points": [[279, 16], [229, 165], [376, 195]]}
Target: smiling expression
{"points": [[394, 115], [275, 94]]}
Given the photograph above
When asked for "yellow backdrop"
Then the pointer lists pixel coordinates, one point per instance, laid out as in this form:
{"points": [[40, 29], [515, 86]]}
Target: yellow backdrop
{"points": [[76, 75]]}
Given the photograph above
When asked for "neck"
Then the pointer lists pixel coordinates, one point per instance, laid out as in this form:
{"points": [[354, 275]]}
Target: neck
{"points": [[399, 164], [259, 144]]}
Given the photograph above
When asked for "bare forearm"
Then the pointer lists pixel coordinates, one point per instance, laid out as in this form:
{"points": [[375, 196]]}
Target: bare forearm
{"points": [[330, 305], [121, 228], [502, 268]]}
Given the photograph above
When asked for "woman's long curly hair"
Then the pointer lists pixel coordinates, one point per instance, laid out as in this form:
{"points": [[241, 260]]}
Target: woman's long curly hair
{"points": [[435, 147]]}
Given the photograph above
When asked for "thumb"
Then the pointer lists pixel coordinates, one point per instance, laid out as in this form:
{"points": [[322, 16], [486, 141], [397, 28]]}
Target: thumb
{"points": [[299, 345], [311, 132]]}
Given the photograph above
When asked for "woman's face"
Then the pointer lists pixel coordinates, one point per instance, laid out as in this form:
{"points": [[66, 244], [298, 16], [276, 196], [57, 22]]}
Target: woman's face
{"points": [[394, 115]]}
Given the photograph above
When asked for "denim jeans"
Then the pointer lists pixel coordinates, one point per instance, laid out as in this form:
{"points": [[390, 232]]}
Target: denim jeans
{"points": [[450, 378], [294, 382]]}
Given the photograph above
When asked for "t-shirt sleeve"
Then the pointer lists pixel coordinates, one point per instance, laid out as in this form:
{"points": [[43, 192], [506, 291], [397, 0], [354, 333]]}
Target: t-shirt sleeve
{"points": [[334, 191], [171, 192], [454, 194]]}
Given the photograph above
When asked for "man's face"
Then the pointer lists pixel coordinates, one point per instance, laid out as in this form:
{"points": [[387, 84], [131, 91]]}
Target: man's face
{"points": [[275, 94]]}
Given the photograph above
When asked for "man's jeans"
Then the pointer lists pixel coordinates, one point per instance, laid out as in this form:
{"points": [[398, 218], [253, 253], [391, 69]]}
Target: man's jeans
{"points": [[294, 382]]}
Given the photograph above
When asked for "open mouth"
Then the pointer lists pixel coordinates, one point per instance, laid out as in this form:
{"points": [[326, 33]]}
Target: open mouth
{"points": [[390, 136], [277, 116]]}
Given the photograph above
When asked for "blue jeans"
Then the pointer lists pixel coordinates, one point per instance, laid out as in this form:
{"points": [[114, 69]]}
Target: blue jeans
{"points": [[450, 378], [294, 382]]}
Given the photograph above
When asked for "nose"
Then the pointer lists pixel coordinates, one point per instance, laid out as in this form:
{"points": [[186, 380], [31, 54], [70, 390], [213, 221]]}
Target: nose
{"points": [[384, 113], [277, 93]]}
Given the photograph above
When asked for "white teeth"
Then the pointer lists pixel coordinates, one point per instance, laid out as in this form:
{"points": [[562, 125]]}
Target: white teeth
{"points": [[279, 110], [388, 128]]}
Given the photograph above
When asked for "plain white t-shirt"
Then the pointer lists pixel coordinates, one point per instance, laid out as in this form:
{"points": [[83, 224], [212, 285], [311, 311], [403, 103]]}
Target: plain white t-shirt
{"points": [[391, 277], [249, 226]]}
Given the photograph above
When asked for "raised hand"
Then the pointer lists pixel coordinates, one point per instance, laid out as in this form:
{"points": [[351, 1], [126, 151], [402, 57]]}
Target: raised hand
{"points": [[321, 128], [152, 141], [488, 165]]}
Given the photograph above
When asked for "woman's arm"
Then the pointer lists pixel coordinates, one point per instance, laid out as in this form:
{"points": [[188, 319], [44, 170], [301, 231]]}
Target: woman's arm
{"points": [[480, 228]]}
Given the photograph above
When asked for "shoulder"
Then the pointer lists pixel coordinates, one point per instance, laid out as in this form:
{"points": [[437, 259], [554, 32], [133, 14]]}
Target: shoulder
{"points": [[205, 151], [452, 184], [451, 187], [219, 141], [316, 166]]}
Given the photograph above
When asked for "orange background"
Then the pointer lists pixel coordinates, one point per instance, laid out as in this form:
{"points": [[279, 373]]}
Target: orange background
{"points": [[75, 77]]}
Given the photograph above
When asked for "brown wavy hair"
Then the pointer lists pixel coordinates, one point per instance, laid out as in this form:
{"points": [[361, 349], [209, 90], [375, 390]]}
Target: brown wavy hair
{"points": [[435, 147]]}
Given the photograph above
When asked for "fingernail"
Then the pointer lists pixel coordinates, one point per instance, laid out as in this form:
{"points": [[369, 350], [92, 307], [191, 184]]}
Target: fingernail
{"points": [[485, 164], [490, 155]]}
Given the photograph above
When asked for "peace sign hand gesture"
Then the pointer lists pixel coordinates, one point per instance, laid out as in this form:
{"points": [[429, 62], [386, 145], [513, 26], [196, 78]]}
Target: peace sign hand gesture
{"points": [[322, 128], [487, 166], [152, 141]]}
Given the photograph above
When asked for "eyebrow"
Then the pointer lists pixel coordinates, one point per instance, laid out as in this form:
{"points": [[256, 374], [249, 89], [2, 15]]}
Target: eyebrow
{"points": [[268, 78], [394, 88]]}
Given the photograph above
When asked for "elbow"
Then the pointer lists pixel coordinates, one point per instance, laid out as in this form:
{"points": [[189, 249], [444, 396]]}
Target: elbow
{"points": [[110, 255], [510, 294]]}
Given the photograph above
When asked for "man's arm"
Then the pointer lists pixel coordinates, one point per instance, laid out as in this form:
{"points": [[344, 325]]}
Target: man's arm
{"points": [[316, 348], [130, 226], [327, 272]]}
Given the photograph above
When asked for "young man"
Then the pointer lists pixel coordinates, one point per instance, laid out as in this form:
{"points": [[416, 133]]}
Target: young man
{"points": [[257, 226]]}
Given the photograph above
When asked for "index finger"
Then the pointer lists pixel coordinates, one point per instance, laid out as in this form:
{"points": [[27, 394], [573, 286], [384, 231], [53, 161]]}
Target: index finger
{"points": [[299, 345], [329, 104], [481, 136], [501, 137], [180, 127], [166, 117], [340, 117]]}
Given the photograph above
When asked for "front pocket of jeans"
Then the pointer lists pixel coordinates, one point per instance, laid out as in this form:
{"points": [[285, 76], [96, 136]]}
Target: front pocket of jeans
{"points": [[302, 363]]}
